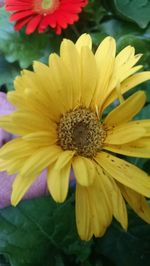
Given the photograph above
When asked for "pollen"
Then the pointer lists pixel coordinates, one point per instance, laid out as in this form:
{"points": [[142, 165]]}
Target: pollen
{"points": [[81, 130]]}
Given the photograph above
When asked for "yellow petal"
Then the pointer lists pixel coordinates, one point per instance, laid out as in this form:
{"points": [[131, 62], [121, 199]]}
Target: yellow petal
{"points": [[83, 213], [116, 80], [15, 149], [145, 124], [124, 56], [71, 60], [28, 102], [58, 89], [93, 215], [3, 164], [58, 176], [115, 198], [31, 122], [42, 138], [104, 56], [88, 76], [64, 158], [31, 169], [6, 123], [64, 84], [23, 123], [27, 79], [119, 208], [58, 182], [124, 133], [129, 72], [43, 89], [138, 148], [125, 61], [39, 161], [37, 86], [16, 99], [126, 110], [101, 213], [12, 166], [84, 170], [84, 40], [123, 67], [137, 202], [124, 172], [126, 85], [20, 187]]}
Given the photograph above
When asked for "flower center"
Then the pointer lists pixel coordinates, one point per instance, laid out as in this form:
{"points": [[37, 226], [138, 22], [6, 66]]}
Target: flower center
{"points": [[81, 130], [45, 6]]}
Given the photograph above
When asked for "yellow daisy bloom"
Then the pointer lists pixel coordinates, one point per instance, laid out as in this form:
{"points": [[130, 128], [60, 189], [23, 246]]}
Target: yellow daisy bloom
{"points": [[59, 122]]}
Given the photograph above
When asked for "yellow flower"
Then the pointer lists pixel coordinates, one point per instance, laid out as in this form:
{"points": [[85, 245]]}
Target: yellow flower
{"points": [[59, 122]]}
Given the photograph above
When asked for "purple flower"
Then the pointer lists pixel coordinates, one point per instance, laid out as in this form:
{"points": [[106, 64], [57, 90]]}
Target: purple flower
{"points": [[5, 109], [38, 188], [1, 3]]}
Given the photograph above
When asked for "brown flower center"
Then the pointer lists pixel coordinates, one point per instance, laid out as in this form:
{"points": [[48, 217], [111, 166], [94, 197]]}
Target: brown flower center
{"points": [[45, 6], [82, 131]]}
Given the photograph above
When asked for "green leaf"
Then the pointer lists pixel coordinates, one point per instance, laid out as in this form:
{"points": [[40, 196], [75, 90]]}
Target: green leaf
{"points": [[144, 113], [17, 46], [134, 10], [95, 12], [146, 88], [3, 261], [7, 72], [40, 232], [127, 248]]}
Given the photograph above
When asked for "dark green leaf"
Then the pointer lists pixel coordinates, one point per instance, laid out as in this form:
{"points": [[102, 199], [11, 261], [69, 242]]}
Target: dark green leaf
{"points": [[17, 46], [7, 72], [135, 10], [144, 113], [3, 261], [41, 232], [127, 248]]}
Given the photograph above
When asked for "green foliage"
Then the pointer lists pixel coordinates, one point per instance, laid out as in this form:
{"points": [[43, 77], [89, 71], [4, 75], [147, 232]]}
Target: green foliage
{"points": [[127, 248], [7, 72], [4, 261], [18, 50], [136, 11], [41, 231], [16, 46]]}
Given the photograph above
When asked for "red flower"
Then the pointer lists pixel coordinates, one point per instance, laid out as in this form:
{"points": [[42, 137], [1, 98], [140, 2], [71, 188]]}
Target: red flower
{"points": [[39, 14]]}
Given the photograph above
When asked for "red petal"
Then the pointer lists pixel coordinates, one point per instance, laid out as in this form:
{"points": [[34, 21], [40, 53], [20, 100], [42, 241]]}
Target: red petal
{"points": [[32, 25], [20, 23], [20, 15]]}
